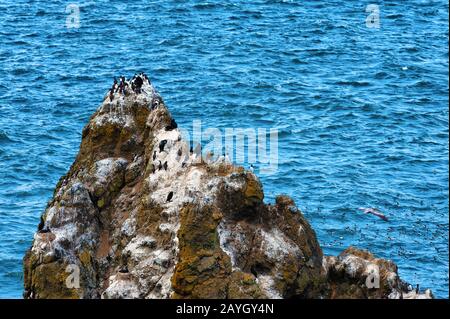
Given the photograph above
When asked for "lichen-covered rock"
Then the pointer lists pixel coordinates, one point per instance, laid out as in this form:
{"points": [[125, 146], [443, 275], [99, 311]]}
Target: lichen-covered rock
{"points": [[358, 274], [139, 215]]}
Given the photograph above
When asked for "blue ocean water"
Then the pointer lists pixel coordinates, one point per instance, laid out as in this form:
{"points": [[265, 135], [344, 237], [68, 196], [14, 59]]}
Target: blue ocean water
{"points": [[362, 112]]}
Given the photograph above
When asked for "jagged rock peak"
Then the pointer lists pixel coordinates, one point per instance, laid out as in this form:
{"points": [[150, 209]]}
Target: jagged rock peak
{"points": [[140, 215]]}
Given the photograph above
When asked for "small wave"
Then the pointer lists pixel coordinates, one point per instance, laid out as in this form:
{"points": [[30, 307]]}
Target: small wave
{"points": [[84, 78], [423, 84], [40, 13], [410, 49], [320, 52], [298, 61], [353, 83], [234, 18], [168, 42], [20, 42], [19, 100], [99, 22], [205, 6], [178, 10], [262, 85], [381, 75], [31, 35], [394, 16], [20, 71], [4, 137], [14, 274], [394, 158]]}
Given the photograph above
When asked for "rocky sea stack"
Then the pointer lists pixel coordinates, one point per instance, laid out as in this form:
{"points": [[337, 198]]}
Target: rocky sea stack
{"points": [[142, 215]]}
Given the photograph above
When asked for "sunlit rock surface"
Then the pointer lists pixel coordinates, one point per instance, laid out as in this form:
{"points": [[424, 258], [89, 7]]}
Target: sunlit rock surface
{"points": [[142, 215]]}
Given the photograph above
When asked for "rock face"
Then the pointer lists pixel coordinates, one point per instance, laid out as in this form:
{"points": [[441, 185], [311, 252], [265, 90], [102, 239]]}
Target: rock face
{"points": [[139, 215]]}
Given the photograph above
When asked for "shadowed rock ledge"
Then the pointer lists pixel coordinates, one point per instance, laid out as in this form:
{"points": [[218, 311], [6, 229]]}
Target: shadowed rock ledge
{"points": [[141, 216]]}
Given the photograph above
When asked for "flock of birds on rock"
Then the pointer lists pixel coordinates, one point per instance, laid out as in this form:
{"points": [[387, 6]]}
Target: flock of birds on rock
{"points": [[123, 86]]}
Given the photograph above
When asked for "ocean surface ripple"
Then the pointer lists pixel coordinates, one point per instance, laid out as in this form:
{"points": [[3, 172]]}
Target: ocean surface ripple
{"points": [[362, 113]]}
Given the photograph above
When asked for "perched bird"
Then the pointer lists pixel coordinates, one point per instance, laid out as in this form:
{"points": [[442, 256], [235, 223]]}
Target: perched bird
{"points": [[155, 104], [44, 230], [161, 145], [160, 166], [41, 224], [252, 169], [113, 87], [123, 269], [165, 165], [169, 197], [138, 82], [154, 155], [173, 125], [374, 211]]}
